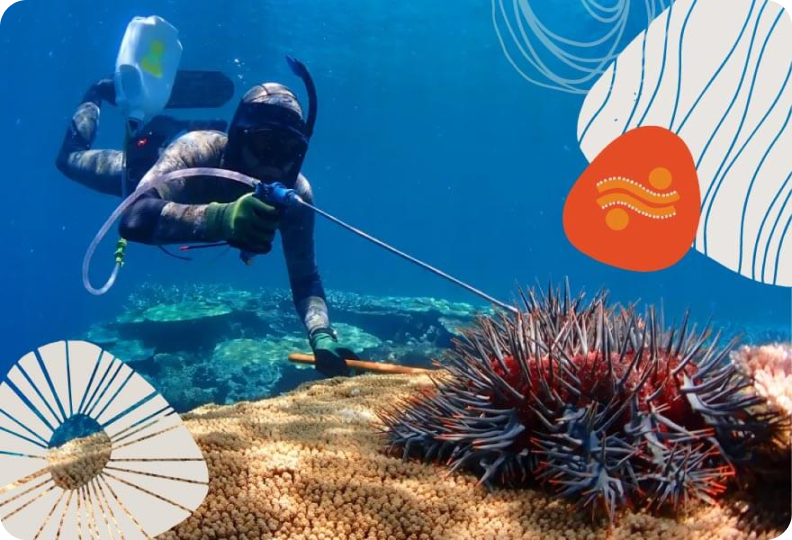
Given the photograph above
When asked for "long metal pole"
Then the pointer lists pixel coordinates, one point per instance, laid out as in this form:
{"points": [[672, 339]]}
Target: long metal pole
{"points": [[410, 258]]}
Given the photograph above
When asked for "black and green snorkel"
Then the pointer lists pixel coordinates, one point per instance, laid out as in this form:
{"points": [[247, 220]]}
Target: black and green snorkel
{"points": [[274, 132]]}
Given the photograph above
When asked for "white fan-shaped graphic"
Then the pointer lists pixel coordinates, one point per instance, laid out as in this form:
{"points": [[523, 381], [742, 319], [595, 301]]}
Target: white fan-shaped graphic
{"points": [[156, 475]]}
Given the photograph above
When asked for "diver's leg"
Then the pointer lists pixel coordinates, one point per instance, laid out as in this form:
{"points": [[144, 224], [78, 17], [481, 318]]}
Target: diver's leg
{"points": [[100, 170]]}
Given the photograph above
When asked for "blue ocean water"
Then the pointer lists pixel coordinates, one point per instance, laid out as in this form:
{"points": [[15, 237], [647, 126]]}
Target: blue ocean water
{"points": [[427, 138]]}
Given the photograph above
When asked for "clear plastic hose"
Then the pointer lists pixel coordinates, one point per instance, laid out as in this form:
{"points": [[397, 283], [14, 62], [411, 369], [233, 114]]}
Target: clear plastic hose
{"points": [[132, 199], [251, 182]]}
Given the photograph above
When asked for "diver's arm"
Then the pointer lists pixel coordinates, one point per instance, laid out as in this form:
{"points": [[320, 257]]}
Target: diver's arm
{"points": [[100, 170], [154, 219], [297, 234]]}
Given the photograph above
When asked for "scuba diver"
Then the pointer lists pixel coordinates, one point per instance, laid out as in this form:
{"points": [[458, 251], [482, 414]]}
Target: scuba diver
{"points": [[267, 139]]}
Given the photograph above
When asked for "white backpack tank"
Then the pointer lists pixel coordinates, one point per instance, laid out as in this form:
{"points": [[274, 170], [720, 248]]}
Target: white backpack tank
{"points": [[146, 68]]}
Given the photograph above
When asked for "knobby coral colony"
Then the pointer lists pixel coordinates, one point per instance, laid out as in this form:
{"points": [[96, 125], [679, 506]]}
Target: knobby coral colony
{"points": [[597, 402]]}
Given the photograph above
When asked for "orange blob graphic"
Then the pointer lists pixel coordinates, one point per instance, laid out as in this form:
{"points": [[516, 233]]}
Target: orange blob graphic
{"points": [[637, 206]]}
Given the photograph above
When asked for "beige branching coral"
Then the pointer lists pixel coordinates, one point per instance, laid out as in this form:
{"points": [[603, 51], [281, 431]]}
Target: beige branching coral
{"points": [[310, 466], [771, 368]]}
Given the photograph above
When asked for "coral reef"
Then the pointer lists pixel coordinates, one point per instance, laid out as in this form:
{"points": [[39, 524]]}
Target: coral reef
{"points": [[130, 351], [203, 344], [597, 402], [102, 335], [76, 463], [360, 303], [186, 325], [362, 340], [405, 324], [308, 465], [770, 369], [770, 366]]}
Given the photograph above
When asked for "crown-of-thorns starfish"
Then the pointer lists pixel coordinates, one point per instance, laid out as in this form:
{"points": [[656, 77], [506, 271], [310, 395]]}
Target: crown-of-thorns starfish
{"points": [[596, 401]]}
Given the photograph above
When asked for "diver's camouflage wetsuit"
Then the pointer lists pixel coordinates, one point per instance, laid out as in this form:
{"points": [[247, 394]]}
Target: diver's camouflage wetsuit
{"points": [[100, 170], [176, 212]]}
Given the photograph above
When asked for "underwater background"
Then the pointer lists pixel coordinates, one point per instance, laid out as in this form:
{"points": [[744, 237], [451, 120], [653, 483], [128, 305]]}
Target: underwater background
{"points": [[426, 138]]}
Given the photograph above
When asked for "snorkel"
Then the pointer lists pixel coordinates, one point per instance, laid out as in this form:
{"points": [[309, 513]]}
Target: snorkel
{"points": [[270, 128], [299, 69]]}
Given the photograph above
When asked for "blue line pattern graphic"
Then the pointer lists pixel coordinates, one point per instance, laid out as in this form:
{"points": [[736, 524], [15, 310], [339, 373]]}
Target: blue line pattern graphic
{"points": [[564, 63], [731, 106]]}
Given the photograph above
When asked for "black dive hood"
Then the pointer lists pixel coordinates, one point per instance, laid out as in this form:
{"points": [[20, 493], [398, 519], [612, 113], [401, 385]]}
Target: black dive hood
{"points": [[262, 119]]}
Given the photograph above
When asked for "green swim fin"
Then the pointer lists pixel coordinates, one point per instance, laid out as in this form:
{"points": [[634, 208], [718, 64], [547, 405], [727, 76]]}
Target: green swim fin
{"points": [[200, 90]]}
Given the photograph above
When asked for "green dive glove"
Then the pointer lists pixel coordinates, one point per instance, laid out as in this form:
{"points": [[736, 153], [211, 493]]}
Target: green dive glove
{"points": [[247, 223], [329, 354]]}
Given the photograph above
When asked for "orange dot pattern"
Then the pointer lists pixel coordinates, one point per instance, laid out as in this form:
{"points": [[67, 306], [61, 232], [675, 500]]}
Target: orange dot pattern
{"points": [[637, 206]]}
